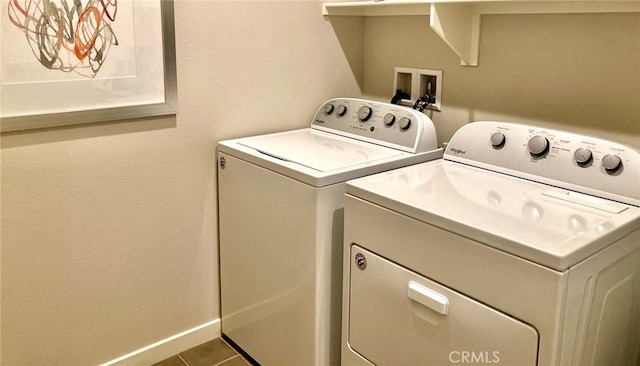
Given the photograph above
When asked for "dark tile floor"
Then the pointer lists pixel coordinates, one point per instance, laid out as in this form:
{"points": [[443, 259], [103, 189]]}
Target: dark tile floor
{"points": [[213, 353]]}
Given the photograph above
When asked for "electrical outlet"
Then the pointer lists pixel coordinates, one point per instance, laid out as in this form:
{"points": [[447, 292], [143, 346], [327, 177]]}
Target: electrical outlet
{"points": [[418, 83]]}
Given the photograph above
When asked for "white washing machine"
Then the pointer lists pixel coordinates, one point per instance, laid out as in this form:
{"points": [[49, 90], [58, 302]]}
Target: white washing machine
{"points": [[281, 200], [520, 247]]}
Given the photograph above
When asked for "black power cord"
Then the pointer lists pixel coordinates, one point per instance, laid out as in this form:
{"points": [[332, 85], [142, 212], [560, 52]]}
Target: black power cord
{"points": [[399, 96]]}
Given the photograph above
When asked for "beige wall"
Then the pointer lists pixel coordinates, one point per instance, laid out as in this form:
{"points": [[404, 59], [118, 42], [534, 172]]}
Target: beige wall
{"points": [[579, 72], [109, 231]]}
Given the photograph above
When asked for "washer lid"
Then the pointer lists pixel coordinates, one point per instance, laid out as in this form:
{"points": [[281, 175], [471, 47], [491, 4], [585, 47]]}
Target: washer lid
{"points": [[550, 226], [320, 151]]}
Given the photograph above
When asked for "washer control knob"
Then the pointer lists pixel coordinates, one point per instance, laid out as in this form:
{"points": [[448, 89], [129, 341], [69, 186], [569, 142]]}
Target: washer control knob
{"points": [[389, 119], [364, 113], [538, 146], [498, 139], [341, 110], [611, 163], [583, 156], [404, 123], [328, 108]]}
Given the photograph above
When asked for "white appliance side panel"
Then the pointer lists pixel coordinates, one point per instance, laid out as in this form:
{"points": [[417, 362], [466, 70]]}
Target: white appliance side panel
{"points": [[267, 263], [603, 312], [329, 202], [398, 317]]}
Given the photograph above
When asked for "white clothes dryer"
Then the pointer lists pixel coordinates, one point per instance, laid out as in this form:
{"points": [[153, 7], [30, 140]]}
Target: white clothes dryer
{"points": [[281, 202], [520, 247]]}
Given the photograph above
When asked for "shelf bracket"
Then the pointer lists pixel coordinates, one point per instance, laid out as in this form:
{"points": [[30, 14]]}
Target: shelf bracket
{"points": [[459, 27]]}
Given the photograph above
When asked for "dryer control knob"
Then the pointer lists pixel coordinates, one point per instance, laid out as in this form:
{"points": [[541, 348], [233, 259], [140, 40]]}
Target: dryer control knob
{"points": [[611, 163], [404, 123], [389, 119], [583, 156], [364, 113], [538, 146], [498, 139], [341, 110]]}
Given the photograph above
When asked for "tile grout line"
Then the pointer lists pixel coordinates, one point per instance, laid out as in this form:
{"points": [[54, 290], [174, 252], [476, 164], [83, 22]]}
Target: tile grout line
{"points": [[228, 359], [237, 353], [227, 343], [182, 359]]}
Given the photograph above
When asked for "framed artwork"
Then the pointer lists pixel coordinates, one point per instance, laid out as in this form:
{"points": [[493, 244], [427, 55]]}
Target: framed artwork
{"points": [[67, 62]]}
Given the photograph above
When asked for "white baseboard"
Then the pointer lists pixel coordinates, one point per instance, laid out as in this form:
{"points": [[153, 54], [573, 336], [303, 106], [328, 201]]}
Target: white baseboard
{"points": [[170, 346]]}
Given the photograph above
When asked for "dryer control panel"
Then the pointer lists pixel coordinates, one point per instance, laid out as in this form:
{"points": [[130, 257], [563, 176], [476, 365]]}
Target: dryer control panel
{"points": [[384, 124], [577, 162]]}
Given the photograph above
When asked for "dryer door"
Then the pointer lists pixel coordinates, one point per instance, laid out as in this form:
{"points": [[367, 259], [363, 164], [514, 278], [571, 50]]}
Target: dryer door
{"points": [[397, 317]]}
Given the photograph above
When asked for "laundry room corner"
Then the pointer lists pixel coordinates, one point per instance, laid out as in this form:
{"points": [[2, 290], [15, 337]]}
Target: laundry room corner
{"points": [[109, 239]]}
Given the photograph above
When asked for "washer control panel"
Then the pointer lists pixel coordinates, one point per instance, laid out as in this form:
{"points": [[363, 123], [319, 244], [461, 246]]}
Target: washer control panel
{"points": [[381, 123], [577, 162]]}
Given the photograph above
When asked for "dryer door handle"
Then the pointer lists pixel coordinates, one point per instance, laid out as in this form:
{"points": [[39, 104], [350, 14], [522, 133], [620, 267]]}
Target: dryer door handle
{"points": [[428, 298]]}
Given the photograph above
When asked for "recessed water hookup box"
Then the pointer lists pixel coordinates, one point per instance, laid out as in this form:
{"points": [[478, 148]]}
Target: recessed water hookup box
{"points": [[423, 85]]}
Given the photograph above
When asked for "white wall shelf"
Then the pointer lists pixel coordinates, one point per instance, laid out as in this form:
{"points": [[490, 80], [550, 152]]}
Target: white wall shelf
{"points": [[457, 22]]}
